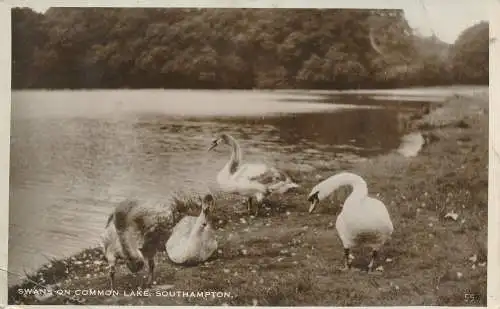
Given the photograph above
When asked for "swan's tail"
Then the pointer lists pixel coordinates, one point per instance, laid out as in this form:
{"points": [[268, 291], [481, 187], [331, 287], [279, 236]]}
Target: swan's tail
{"points": [[277, 188], [283, 186]]}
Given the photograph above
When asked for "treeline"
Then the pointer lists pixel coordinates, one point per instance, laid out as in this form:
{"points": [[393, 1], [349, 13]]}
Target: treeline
{"points": [[236, 48]]}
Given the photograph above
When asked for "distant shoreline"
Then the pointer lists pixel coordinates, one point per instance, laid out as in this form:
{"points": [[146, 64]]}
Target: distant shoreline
{"points": [[350, 90]]}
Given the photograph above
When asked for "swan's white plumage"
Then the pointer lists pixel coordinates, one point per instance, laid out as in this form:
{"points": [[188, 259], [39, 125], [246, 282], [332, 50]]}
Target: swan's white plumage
{"points": [[193, 240], [241, 181], [363, 220], [251, 171], [200, 248], [249, 179]]}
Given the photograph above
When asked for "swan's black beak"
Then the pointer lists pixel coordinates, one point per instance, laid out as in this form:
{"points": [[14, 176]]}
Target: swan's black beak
{"points": [[213, 145], [313, 205], [314, 200]]}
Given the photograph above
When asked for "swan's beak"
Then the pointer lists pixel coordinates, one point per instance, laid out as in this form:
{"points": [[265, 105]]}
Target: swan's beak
{"points": [[214, 144], [313, 205], [314, 200]]}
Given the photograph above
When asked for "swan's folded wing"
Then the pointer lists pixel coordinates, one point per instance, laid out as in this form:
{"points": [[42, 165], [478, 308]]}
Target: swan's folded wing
{"points": [[209, 244], [250, 170], [180, 233], [260, 173]]}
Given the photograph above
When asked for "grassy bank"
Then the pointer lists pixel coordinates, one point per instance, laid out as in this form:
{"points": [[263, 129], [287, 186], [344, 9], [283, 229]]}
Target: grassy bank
{"points": [[287, 257]]}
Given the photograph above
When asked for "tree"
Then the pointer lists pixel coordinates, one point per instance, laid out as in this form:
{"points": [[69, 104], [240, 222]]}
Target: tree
{"points": [[470, 55], [28, 36]]}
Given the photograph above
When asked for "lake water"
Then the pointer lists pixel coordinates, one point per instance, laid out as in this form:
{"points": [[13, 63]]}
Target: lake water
{"points": [[74, 154]]}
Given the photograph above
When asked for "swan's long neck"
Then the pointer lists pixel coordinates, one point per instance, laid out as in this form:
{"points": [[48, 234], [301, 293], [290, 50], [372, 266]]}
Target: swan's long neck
{"points": [[198, 225], [328, 186], [236, 155], [192, 246]]}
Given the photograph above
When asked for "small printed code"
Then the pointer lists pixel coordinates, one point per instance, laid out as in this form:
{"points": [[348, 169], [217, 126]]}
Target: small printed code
{"points": [[472, 298]]}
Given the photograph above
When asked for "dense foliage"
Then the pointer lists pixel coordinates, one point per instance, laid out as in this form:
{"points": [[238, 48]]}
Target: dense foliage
{"points": [[235, 48], [470, 55]]}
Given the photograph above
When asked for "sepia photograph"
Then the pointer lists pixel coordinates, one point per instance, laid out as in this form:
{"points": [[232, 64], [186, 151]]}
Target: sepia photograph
{"points": [[224, 156]]}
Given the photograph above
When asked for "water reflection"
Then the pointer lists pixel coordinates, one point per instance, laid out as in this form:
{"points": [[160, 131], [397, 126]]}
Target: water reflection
{"points": [[401, 102], [369, 132]]}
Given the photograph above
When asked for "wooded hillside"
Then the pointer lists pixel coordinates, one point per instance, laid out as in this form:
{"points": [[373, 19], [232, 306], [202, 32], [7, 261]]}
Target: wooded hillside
{"points": [[236, 48]]}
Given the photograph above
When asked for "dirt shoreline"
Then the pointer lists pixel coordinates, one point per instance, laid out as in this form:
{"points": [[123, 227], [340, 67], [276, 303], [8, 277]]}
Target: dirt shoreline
{"points": [[288, 257]]}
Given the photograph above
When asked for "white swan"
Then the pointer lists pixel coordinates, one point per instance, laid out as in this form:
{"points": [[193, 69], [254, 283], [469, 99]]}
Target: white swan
{"points": [[193, 238], [363, 220], [249, 179]]}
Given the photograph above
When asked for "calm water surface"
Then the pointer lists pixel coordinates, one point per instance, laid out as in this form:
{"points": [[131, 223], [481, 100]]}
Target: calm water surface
{"points": [[76, 153]]}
